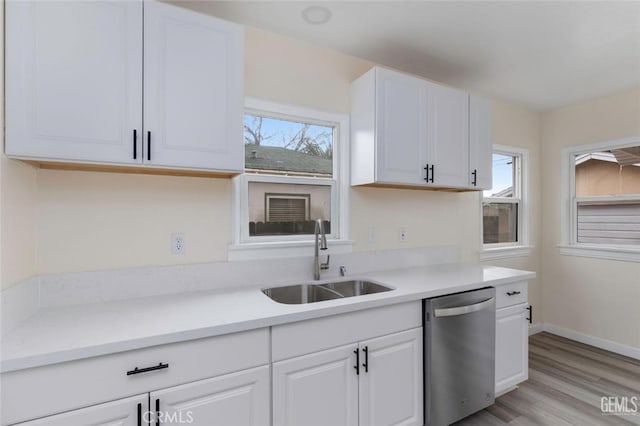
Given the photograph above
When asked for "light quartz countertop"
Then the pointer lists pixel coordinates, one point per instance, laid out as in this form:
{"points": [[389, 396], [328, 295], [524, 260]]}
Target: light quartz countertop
{"points": [[68, 333]]}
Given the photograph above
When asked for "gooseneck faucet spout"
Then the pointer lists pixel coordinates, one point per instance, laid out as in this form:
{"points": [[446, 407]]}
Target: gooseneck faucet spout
{"points": [[320, 244]]}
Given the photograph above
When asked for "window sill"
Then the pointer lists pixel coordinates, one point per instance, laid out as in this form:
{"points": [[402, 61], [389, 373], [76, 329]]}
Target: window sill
{"points": [[284, 249], [505, 252], [601, 252]]}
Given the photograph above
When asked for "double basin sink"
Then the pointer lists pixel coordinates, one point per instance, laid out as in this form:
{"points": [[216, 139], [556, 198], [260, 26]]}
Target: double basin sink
{"points": [[311, 293]]}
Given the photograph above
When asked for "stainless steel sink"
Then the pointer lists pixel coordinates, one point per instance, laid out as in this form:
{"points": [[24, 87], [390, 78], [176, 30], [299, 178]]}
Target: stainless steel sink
{"points": [[311, 293], [356, 287], [301, 293]]}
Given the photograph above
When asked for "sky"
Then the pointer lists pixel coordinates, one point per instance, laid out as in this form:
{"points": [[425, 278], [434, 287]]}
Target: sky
{"points": [[502, 174], [286, 128]]}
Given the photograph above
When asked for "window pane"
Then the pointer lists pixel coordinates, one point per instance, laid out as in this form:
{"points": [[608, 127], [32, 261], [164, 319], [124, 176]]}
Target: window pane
{"points": [[287, 147], [500, 223], [504, 172], [614, 172], [609, 223], [287, 209]]}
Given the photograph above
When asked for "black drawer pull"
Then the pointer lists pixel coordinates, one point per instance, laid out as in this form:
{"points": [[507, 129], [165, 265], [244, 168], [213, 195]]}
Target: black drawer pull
{"points": [[475, 177], [137, 370], [366, 359], [149, 145], [357, 366], [135, 144], [433, 172], [512, 293], [139, 414], [158, 412], [530, 319]]}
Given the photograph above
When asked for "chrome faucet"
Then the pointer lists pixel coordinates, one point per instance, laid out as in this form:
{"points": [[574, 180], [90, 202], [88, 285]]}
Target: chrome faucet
{"points": [[320, 244]]}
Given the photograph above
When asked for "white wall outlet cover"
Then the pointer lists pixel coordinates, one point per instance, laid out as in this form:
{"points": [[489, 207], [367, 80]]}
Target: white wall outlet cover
{"points": [[371, 235], [177, 243], [402, 234]]}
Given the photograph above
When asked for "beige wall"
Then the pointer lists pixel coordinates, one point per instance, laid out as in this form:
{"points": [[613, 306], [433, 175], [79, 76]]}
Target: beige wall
{"points": [[592, 296], [91, 221]]}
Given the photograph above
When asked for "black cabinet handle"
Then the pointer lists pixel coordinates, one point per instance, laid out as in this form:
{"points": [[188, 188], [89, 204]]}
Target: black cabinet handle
{"points": [[139, 414], [433, 173], [137, 370], [530, 309], [475, 177], [158, 412], [149, 145], [135, 144], [366, 359], [357, 366], [427, 169], [512, 293]]}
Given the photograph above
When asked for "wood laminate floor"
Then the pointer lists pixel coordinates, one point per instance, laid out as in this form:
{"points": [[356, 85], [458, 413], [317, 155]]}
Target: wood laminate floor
{"points": [[566, 382]]}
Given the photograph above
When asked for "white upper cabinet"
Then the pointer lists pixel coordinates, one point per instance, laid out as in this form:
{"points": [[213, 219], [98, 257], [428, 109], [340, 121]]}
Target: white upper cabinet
{"points": [[406, 131], [193, 83], [480, 142], [76, 85], [447, 136], [74, 80], [400, 112]]}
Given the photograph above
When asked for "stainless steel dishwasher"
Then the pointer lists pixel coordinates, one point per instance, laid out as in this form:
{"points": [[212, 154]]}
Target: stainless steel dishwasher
{"points": [[459, 355]]}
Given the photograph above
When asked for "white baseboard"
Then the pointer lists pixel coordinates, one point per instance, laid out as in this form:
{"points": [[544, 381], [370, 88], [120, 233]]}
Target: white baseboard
{"points": [[608, 345], [536, 328]]}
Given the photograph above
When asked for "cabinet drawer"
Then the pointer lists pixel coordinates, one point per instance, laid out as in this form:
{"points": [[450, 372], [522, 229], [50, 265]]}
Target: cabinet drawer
{"points": [[511, 294], [41, 391], [304, 337]]}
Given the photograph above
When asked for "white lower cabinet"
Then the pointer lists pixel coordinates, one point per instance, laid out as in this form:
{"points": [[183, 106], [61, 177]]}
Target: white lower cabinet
{"points": [[318, 389], [512, 366], [238, 399], [372, 382], [512, 336], [391, 385], [123, 412]]}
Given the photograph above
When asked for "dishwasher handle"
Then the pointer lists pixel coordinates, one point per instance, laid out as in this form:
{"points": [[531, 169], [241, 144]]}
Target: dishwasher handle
{"points": [[462, 310]]}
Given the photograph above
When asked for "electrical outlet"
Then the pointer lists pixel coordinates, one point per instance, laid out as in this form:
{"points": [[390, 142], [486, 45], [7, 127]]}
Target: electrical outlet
{"points": [[402, 235], [177, 243], [371, 235]]}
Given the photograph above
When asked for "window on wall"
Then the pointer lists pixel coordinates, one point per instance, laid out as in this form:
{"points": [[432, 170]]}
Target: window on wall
{"points": [[504, 205], [604, 198], [292, 177]]}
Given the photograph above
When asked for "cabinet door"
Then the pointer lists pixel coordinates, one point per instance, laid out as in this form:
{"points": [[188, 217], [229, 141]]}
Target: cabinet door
{"points": [[512, 347], [319, 389], [193, 79], [74, 80], [480, 143], [124, 412], [238, 399], [400, 128], [391, 391], [448, 135]]}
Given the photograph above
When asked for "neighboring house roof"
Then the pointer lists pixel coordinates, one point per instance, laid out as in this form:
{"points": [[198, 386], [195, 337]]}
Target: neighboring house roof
{"points": [[281, 159], [623, 157], [507, 192]]}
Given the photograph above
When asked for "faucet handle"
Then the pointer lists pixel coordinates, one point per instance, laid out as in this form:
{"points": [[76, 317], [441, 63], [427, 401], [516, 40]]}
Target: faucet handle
{"points": [[343, 271], [326, 264]]}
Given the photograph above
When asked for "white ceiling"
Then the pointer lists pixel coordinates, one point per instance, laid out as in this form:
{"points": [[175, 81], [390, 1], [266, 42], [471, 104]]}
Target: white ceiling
{"points": [[540, 54]]}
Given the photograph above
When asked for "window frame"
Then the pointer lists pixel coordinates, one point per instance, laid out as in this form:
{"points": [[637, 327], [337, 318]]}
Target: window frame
{"points": [[245, 247], [522, 246], [569, 206]]}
